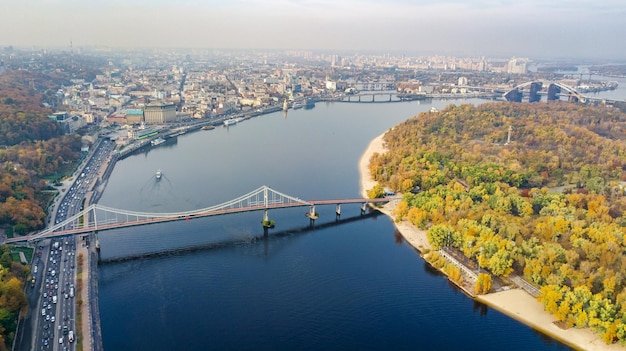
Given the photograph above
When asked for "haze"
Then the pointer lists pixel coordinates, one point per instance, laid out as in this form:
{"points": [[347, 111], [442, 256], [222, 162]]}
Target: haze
{"points": [[536, 28]]}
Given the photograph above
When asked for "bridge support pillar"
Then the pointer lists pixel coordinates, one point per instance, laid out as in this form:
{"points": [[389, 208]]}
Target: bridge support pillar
{"points": [[373, 98], [267, 222], [389, 97], [312, 214], [359, 98], [364, 208], [337, 212]]}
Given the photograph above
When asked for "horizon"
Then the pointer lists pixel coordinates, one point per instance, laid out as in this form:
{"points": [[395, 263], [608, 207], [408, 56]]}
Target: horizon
{"points": [[557, 29]]}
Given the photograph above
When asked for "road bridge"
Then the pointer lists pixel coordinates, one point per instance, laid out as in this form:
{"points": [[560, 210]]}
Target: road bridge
{"points": [[98, 218], [535, 89]]}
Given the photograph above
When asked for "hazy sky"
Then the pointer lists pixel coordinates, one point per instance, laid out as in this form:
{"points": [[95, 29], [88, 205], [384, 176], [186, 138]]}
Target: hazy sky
{"points": [[533, 28]]}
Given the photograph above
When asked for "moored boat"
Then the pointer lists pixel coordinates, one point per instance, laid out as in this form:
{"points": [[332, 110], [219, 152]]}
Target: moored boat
{"points": [[157, 141], [158, 174], [231, 121]]}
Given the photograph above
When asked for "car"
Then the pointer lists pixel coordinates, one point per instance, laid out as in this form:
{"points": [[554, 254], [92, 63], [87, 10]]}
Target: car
{"points": [[52, 319], [47, 317], [60, 340], [45, 342]]}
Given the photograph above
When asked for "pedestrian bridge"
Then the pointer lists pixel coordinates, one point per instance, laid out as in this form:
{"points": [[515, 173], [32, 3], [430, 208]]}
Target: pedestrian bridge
{"points": [[98, 218]]}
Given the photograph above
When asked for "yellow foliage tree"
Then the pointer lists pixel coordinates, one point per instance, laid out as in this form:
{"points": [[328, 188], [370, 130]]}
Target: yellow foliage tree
{"points": [[483, 283]]}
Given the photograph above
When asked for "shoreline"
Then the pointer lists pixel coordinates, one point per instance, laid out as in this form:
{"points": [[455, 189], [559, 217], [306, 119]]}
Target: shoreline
{"points": [[515, 303]]}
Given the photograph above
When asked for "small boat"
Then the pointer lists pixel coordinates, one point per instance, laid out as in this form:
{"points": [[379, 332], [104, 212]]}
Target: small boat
{"points": [[158, 174], [209, 127]]}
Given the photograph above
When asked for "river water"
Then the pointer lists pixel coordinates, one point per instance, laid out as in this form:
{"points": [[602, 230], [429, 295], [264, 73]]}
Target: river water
{"points": [[353, 285]]}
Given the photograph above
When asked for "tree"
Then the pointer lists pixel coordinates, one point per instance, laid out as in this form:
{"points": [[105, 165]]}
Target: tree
{"points": [[376, 192], [483, 284], [442, 235]]}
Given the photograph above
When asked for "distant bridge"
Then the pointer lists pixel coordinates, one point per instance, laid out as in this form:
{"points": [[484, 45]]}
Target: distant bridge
{"points": [[535, 89], [98, 218]]}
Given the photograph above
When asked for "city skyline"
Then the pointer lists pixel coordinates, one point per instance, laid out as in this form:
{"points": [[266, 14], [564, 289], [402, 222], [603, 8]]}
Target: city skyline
{"points": [[543, 29]]}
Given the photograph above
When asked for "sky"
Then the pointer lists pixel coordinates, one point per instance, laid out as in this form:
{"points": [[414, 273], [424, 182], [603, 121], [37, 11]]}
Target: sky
{"points": [[523, 28]]}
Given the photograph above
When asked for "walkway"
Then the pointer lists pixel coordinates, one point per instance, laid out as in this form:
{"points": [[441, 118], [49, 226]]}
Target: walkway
{"points": [[82, 249]]}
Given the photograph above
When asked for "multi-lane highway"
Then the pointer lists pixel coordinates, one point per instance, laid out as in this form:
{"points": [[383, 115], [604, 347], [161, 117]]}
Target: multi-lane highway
{"points": [[51, 321]]}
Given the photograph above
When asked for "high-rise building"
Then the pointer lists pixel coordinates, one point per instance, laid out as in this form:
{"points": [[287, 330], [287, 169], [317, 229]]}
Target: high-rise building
{"points": [[516, 66]]}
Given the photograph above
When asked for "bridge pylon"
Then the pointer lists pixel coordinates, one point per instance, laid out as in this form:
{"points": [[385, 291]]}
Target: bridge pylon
{"points": [[312, 214], [337, 212], [267, 222]]}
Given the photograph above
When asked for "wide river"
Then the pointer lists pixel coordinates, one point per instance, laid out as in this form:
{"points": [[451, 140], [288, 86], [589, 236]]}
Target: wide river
{"points": [[353, 285]]}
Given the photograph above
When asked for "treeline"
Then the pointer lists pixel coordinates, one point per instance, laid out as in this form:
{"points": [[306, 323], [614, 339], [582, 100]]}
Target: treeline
{"points": [[31, 148], [547, 204], [12, 297]]}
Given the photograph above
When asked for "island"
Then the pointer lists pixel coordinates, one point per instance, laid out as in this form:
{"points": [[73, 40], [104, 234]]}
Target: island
{"points": [[540, 171]]}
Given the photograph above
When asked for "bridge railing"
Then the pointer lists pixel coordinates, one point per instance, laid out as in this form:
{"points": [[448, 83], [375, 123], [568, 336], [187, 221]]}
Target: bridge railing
{"points": [[98, 217]]}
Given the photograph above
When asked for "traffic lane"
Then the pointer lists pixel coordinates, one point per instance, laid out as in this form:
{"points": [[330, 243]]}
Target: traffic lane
{"points": [[46, 251]]}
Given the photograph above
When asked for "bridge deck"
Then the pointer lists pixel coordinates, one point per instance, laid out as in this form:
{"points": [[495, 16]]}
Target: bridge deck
{"points": [[142, 218]]}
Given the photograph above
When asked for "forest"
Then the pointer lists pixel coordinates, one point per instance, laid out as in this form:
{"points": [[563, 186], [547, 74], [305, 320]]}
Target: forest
{"points": [[12, 297], [535, 190], [32, 148]]}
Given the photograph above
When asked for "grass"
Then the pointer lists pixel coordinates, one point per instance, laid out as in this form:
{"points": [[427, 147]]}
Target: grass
{"points": [[28, 252]]}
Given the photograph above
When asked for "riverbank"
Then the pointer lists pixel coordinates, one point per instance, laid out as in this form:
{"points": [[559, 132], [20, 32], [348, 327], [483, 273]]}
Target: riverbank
{"points": [[515, 303]]}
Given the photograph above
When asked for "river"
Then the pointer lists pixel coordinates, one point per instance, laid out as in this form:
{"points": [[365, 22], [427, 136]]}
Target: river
{"points": [[348, 286]]}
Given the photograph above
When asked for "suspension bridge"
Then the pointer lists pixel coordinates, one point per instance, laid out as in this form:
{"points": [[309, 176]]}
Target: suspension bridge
{"points": [[97, 218]]}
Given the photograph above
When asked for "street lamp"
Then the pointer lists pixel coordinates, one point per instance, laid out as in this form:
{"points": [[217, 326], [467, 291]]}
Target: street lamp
{"points": [[479, 258]]}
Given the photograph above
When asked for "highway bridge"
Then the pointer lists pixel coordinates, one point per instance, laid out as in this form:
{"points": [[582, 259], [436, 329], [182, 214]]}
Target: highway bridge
{"points": [[534, 90], [98, 218]]}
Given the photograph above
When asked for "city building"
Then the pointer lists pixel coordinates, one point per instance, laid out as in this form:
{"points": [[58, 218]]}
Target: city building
{"points": [[134, 116], [517, 66], [159, 113]]}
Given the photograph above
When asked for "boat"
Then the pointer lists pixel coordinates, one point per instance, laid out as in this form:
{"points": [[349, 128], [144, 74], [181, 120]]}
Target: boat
{"points": [[231, 121], [209, 127], [296, 105], [158, 174], [157, 141]]}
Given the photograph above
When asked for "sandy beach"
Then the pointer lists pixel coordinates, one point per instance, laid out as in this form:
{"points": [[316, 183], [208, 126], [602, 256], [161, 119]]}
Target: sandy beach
{"points": [[515, 303]]}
